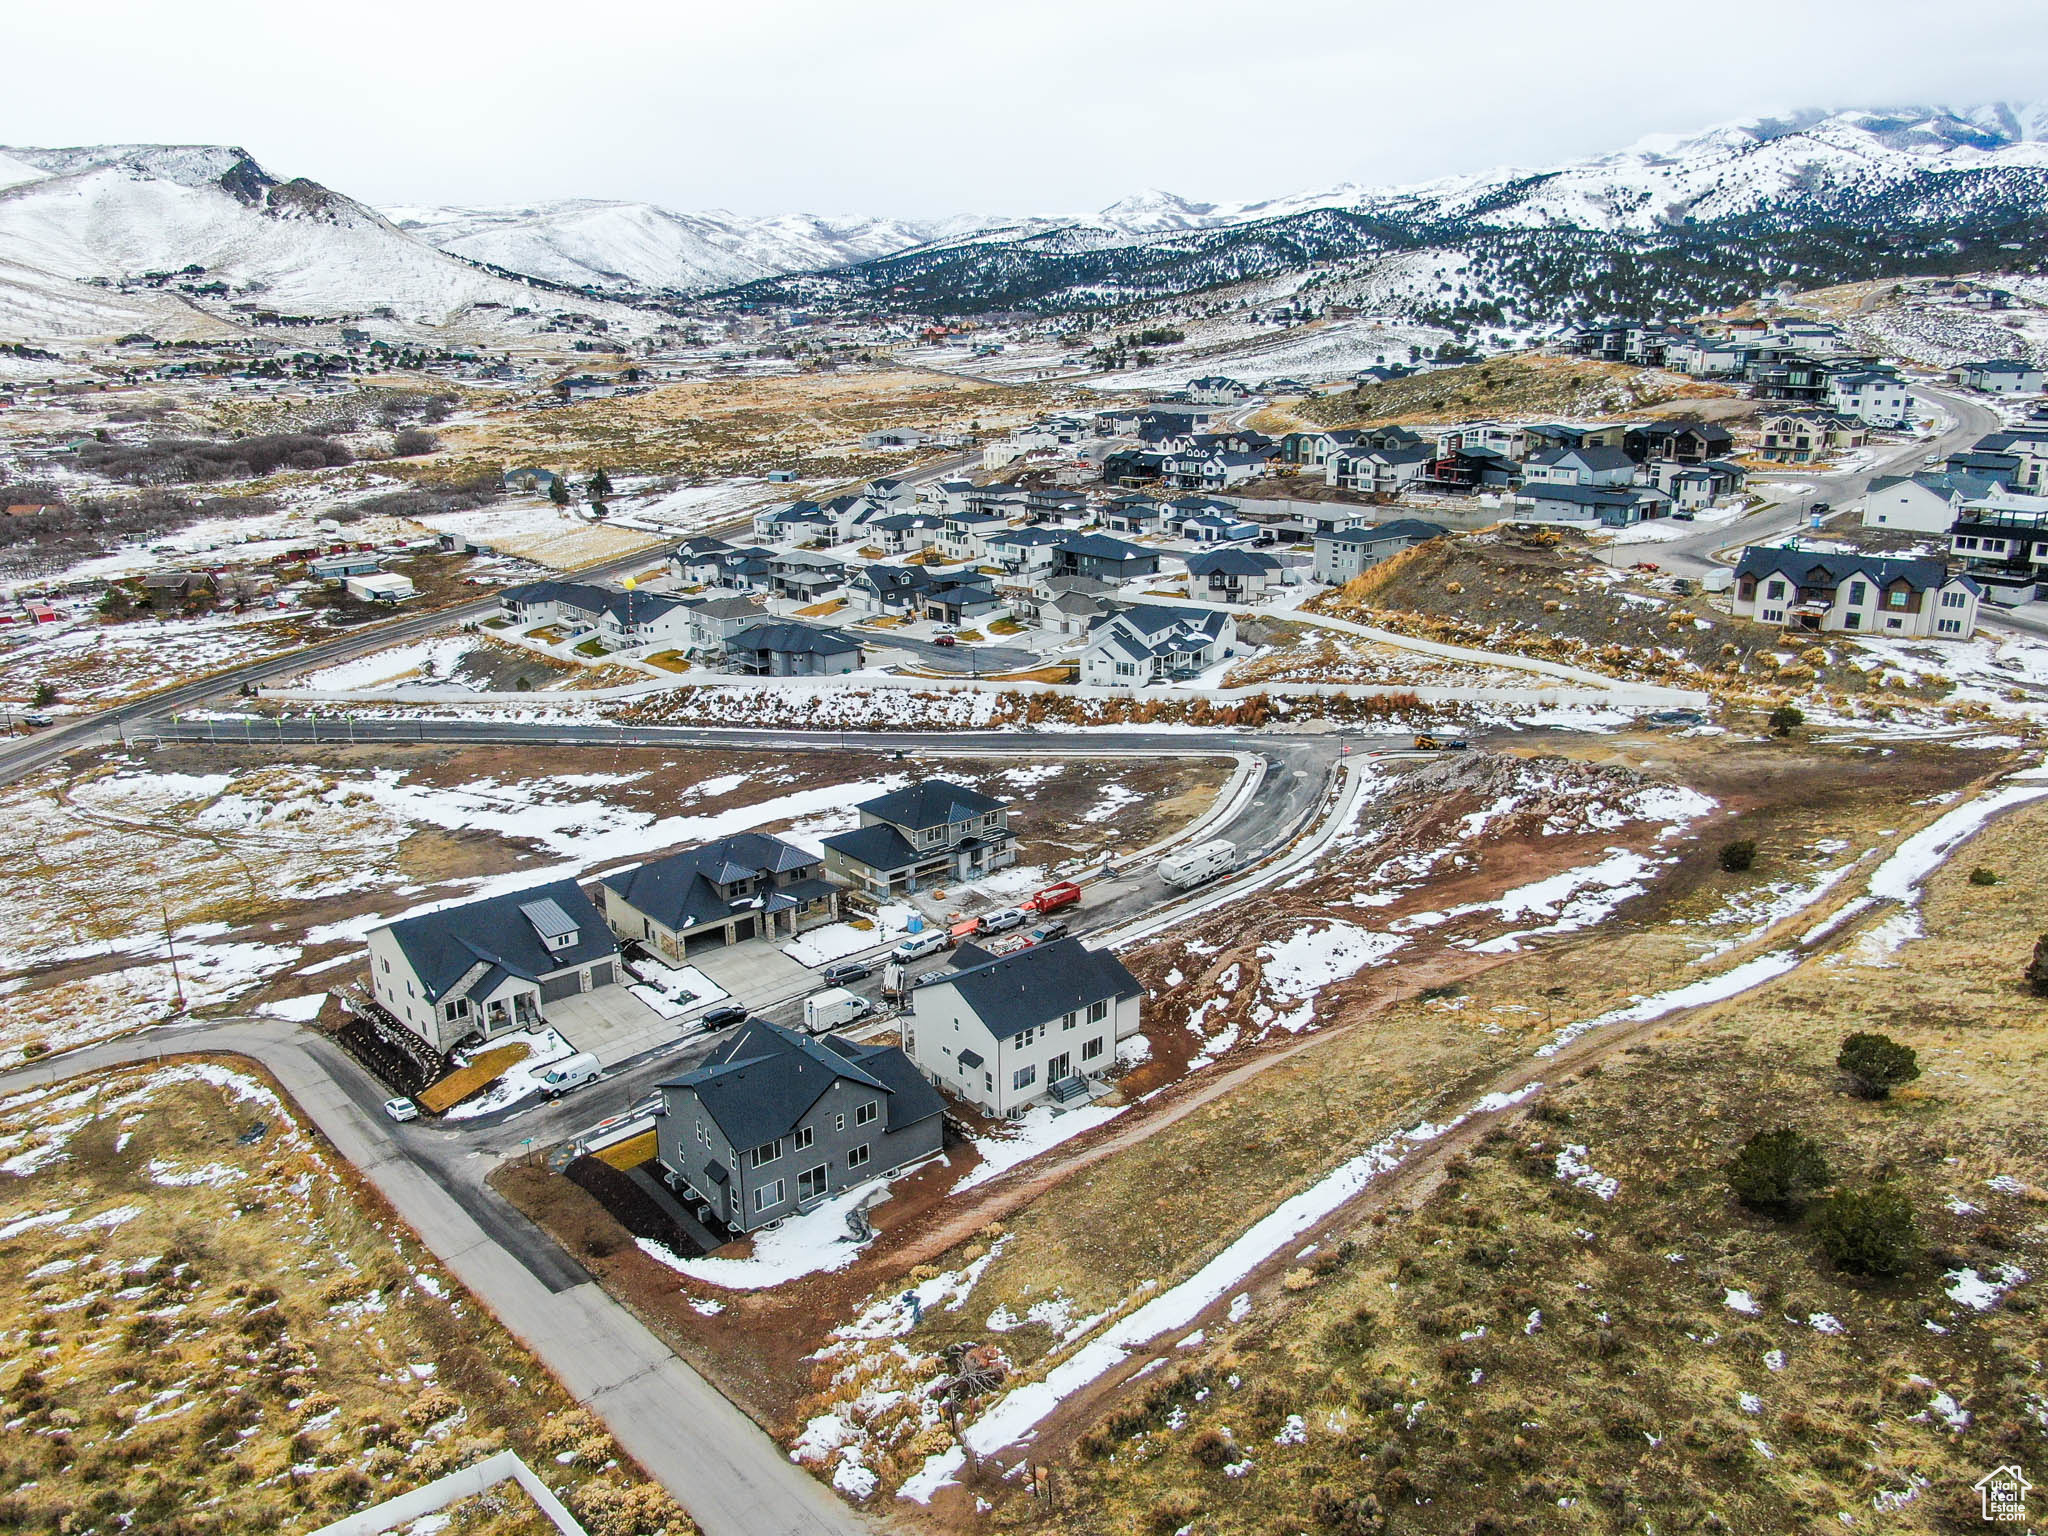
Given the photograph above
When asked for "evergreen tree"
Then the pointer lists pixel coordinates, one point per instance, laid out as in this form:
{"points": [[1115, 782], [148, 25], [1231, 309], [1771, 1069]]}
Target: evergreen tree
{"points": [[558, 491], [1777, 1172], [1877, 1063], [1868, 1232], [600, 484]]}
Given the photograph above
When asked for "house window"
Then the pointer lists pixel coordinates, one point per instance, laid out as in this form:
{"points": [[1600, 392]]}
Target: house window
{"points": [[866, 1113], [857, 1157], [1070, 1020], [1775, 589], [767, 1152], [988, 1082], [802, 1138], [767, 1195], [1773, 615], [839, 1122], [1090, 1049], [1953, 599], [1949, 626], [732, 1200], [1859, 594], [1023, 1077], [1098, 1011], [1895, 600], [812, 1182]]}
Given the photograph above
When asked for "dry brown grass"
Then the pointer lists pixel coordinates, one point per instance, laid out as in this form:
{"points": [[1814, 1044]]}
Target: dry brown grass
{"points": [[213, 1328]]}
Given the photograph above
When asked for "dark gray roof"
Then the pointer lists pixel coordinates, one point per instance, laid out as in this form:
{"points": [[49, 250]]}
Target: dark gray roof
{"points": [[1035, 985], [1826, 571], [1412, 529], [442, 947], [879, 847], [1231, 562], [1099, 546], [797, 639], [680, 891], [933, 803], [761, 1081]]}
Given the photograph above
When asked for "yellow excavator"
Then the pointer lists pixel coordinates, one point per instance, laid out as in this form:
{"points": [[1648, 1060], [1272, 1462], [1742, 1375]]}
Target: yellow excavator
{"points": [[1441, 744]]}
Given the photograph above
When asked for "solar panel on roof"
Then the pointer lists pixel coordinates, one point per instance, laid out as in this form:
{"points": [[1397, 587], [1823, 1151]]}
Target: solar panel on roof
{"points": [[548, 919]]}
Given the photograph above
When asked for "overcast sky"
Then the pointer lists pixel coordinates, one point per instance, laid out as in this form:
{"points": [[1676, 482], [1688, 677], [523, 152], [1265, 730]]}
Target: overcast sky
{"points": [[909, 107]]}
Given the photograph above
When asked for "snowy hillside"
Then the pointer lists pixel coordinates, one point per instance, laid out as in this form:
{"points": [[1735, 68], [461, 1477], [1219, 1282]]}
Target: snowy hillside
{"points": [[80, 226], [608, 245], [1673, 220]]}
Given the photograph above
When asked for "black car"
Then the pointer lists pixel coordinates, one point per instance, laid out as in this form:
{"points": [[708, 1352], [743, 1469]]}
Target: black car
{"points": [[846, 970], [725, 1017]]}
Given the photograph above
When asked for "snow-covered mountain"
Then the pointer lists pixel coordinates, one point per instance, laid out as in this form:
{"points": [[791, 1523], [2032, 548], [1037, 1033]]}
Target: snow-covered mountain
{"points": [[1817, 195], [582, 241], [81, 229]]}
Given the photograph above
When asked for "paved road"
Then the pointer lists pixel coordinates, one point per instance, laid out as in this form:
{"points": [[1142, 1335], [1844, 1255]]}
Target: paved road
{"points": [[1693, 556], [961, 660], [733, 1479]]}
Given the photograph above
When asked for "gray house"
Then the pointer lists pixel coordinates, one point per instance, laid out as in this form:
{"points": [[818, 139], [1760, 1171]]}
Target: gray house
{"points": [[1344, 552], [930, 833], [775, 1122], [738, 888], [791, 650], [490, 967]]}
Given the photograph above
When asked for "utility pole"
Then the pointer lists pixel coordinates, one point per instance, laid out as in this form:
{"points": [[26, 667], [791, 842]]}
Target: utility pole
{"points": [[171, 948]]}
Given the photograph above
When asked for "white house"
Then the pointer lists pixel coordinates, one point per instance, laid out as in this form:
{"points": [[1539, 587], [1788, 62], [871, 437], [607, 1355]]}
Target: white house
{"points": [[1151, 643], [2004, 376], [1217, 390], [1343, 553], [491, 967], [1007, 1033], [1873, 397], [1924, 503], [1865, 594]]}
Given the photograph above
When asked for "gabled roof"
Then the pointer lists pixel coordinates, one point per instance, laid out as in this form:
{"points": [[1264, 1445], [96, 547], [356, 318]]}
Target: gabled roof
{"points": [[1231, 562], [502, 933], [879, 847], [795, 639], [932, 803], [1098, 546], [1809, 569], [1036, 985], [1413, 529], [680, 891], [761, 1081]]}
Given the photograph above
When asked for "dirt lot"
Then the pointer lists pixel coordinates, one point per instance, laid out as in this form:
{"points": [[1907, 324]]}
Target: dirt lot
{"points": [[213, 1327], [810, 423], [268, 864], [1514, 386]]}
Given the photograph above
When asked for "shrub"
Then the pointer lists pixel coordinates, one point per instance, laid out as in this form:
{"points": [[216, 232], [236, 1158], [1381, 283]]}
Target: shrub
{"points": [[1213, 1448], [1777, 1172], [1868, 1232], [1877, 1064], [1174, 1511], [1738, 855], [2037, 973], [1786, 718], [411, 442], [1982, 876]]}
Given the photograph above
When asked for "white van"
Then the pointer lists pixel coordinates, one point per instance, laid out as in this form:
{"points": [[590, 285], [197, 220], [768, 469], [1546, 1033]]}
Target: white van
{"points": [[1206, 862], [918, 945], [561, 1076]]}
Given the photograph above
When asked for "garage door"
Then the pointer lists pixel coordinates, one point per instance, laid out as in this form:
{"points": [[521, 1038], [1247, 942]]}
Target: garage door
{"points": [[601, 974], [554, 988]]}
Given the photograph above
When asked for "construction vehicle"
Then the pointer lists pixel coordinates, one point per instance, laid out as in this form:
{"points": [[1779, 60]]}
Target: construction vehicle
{"points": [[1441, 744]]}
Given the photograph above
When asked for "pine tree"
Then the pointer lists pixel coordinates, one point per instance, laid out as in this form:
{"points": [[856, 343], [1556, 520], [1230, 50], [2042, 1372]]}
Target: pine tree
{"points": [[558, 491], [600, 484]]}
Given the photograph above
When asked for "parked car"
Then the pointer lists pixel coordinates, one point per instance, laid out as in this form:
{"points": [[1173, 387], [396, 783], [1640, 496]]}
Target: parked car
{"points": [[1045, 933], [401, 1110], [724, 1016], [571, 1073], [918, 945], [948, 641], [846, 970], [1003, 921]]}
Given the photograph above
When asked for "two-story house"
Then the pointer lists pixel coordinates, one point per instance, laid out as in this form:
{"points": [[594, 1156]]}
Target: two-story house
{"points": [[1006, 1033], [1233, 575], [773, 1122], [747, 886], [1150, 643], [932, 833], [490, 967], [1343, 553], [1867, 594]]}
